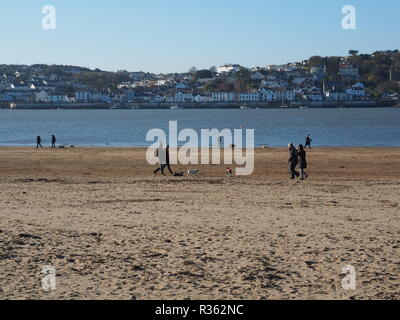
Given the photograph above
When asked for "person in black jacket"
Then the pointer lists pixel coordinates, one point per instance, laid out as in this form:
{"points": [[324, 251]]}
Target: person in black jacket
{"points": [[167, 158], [38, 142], [292, 161], [308, 142], [302, 161], [163, 156], [53, 141]]}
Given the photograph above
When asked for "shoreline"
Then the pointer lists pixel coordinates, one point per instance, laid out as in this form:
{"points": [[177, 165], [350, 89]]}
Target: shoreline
{"points": [[45, 147], [206, 106]]}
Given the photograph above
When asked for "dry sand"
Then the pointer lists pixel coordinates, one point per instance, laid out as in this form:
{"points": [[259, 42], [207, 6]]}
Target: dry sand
{"points": [[114, 231]]}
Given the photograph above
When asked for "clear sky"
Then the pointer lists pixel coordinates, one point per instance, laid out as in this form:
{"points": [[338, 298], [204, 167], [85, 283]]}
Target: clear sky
{"points": [[174, 35]]}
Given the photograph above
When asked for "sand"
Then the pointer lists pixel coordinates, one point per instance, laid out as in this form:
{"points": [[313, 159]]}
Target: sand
{"points": [[113, 230]]}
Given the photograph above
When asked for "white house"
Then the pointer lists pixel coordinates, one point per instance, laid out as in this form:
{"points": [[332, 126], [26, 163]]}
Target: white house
{"points": [[318, 72], [348, 69], [57, 99], [158, 99], [181, 86], [357, 90], [257, 76], [92, 97], [41, 96], [273, 84], [202, 98], [183, 97], [223, 97], [274, 67], [249, 97], [336, 95], [285, 95], [313, 94], [229, 68], [267, 95]]}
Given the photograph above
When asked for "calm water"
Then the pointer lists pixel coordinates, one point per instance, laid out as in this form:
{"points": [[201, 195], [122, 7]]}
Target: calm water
{"points": [[328, 127]]}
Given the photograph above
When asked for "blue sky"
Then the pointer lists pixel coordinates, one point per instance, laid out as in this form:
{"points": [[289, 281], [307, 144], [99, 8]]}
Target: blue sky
{"points": [[174, 35]]}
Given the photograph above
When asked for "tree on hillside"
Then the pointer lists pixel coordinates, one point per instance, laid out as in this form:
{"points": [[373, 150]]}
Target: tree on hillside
{"points": [[353, 52], [315, 61], [192, 70], [203, 74]]}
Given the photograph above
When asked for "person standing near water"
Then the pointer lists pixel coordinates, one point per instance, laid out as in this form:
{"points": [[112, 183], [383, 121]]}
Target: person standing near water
{"points": [[53, 141], [292, 161], [38, 142], [302, 160], [308, 141]]}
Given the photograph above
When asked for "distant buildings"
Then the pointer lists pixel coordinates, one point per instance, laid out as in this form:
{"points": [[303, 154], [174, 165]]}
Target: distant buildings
{"points": [[348, 69], [92, 97], [231, 83]]}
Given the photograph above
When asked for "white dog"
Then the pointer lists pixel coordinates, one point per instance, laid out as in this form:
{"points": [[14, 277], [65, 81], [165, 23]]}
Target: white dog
{"points": [[192, 172]]}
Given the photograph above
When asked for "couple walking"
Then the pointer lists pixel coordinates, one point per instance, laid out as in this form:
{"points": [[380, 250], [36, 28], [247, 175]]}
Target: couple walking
{"points": [[297, 157], [39, 141], [163, 158]]}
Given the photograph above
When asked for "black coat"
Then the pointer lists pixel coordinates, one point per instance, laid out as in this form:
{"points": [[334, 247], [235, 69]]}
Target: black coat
{"points": [[302, 159], [292, 156]]}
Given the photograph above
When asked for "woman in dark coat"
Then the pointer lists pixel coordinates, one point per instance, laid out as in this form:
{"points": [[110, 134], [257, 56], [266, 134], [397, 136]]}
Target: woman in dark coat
{"points": [[292, 161], [302, 162]]}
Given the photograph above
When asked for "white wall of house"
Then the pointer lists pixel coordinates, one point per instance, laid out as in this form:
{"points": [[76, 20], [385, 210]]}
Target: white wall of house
{"points": [[57, 99], [249, 97], [41, 96], [92, 97]]}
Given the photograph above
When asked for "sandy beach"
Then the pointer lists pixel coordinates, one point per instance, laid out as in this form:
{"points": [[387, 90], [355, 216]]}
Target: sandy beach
{"points": [[113, 230]]}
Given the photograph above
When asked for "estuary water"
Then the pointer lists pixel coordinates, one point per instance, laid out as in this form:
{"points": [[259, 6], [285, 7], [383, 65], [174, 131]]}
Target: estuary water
{"points": [[353, 127]]}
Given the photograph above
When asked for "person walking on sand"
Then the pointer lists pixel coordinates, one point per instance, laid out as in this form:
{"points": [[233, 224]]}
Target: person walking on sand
{"points": [[292, 161], [38, 142], [53, 141], [308, 142], [167, 160], [302, 160], [162, 159]]}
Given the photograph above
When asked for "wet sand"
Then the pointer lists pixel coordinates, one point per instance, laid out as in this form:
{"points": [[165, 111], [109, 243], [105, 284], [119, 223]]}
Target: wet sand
{"points": [[113, 230]]}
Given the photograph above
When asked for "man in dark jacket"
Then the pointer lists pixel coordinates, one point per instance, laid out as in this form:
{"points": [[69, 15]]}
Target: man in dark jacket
{"points": [[163, 156], [53, 141], [308, 141], [39, 142], [292, 161], [167, 158]]}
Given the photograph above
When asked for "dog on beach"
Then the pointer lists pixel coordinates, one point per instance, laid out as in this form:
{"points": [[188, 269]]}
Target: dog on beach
{"points": [[192, 172]]}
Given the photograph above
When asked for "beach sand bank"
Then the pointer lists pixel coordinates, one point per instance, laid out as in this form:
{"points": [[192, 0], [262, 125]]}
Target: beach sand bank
{"points": [[113, 230]]}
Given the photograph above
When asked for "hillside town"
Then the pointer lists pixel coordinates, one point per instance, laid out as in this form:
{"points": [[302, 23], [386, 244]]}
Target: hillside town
{"points": [[356, 77]]}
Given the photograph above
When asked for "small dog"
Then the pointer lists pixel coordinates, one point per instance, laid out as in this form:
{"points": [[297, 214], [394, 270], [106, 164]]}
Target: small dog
{"points": [[178, 174], [192, 172]]}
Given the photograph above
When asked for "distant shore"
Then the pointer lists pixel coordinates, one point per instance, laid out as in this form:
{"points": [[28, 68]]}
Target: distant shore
{"points": [[218, 105]]}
